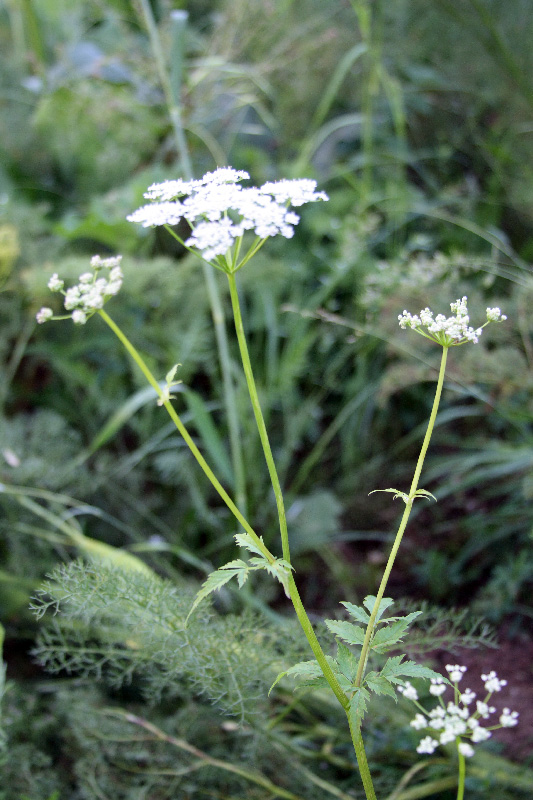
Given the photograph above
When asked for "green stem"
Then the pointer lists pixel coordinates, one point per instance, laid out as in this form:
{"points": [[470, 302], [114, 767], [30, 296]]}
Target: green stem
{"points": [[403, 522], [462, 775], [254, 397], [293, 591], [362, 763], [217, 312], [182, 429]]}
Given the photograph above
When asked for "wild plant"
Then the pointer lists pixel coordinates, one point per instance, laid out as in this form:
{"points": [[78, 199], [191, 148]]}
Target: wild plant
{"points": [[228, 225]]}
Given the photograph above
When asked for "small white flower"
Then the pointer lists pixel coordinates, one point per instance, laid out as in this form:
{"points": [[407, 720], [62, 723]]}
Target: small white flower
{"points": [[214, 238], [492, 682], [427, 745], [44, 314], [495, 315], [465, 749], [484, 710], [87, 277], [79, 317], [297, 192], [55, 283], [219, 210], [447, 736], [467, 697], [509, 718], [408, 691], [447, 331], [151, 216], [456, 672], [437, 687], [480, 734], [419, 722]]}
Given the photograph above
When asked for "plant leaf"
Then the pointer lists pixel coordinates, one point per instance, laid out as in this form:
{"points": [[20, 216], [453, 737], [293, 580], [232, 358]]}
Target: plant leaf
{"points": [[217, 579], [357, 612], [245, 540], [385, 602], [358, 706], [347, 662], [351, 633], [391, 634], [379, 684], [395, 669]]}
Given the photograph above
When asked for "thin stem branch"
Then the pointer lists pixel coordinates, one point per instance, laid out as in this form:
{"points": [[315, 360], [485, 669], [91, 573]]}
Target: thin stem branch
{"points": [[403, 522], [254, 397], [185, 434]]}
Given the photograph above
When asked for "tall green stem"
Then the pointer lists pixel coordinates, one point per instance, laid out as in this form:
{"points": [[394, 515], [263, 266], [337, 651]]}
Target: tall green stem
{"points": [[462, 776], [293, 590], [232, 414], [254, 397], [404, 520], [184, 432]]}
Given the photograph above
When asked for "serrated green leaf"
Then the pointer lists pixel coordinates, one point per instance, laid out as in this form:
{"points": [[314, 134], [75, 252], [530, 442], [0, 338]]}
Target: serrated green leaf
{"points": [[351, 633], [379, 684], [395, 669], [311, 669], [217, 579], [347, 662], [358, 706], [357, 612], [386, 637], [246, 541], [370, 601], [281, 570]]}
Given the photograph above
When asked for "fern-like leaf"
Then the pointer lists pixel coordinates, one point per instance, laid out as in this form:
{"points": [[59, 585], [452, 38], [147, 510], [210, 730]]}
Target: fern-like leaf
{"points": [[233, 569]]}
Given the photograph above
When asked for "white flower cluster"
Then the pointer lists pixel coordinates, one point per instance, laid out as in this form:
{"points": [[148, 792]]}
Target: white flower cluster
{"points": [[91, 292], [458, 719], [448, 331], [219, 210]]}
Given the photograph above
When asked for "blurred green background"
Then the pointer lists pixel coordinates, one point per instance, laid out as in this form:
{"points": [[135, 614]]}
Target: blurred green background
{"points": [[417, 119]]}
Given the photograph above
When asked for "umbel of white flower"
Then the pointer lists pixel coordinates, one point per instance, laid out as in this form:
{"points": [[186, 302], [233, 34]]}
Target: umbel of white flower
{"points": [[219, 210], [460, 719], [448, 331], [91, 292]]}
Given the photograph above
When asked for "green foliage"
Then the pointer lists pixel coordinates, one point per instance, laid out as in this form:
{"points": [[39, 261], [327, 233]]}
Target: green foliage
{"points": [[278, 568], [346, 665], [415, 123]]}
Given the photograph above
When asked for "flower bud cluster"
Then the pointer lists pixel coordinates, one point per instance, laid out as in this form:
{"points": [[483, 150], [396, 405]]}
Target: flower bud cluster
{"points": [[91, 292], [448, 331], [459, 719], [219, 210]]}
